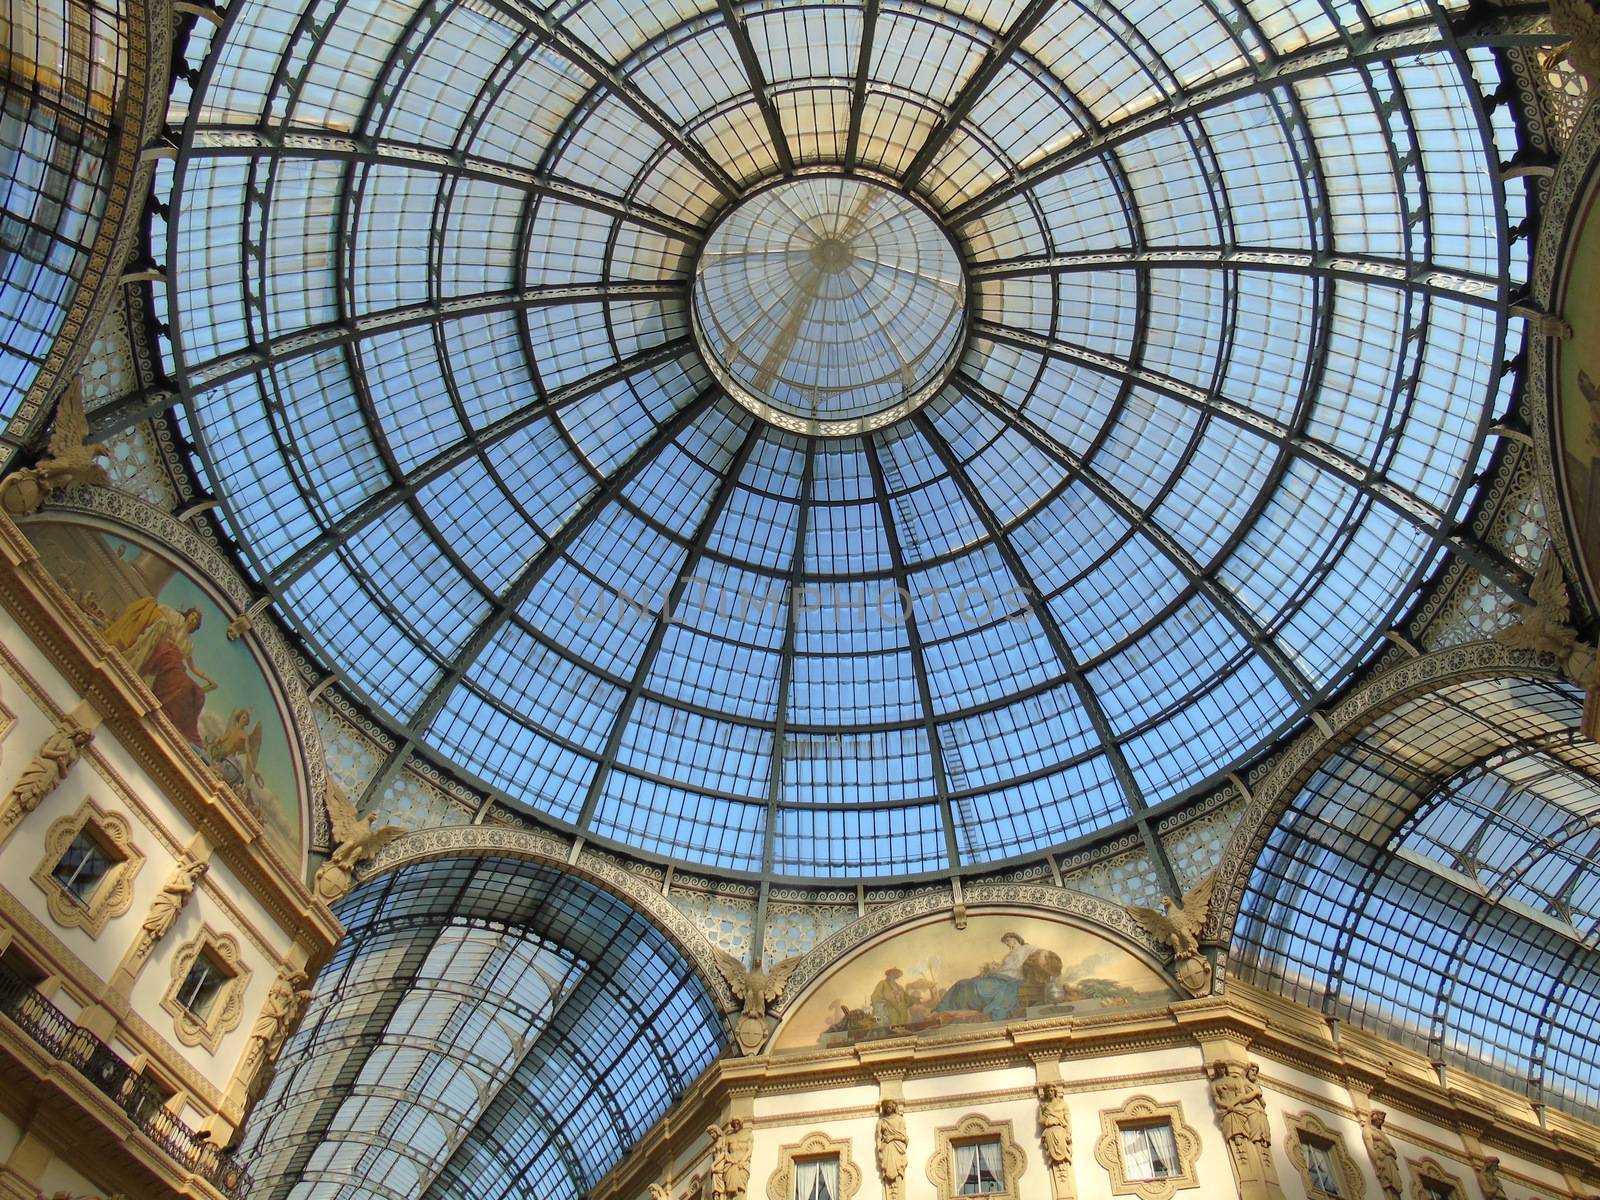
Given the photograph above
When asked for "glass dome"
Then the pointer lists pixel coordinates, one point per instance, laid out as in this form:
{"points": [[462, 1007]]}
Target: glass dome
{"points": [[1160, 358]]}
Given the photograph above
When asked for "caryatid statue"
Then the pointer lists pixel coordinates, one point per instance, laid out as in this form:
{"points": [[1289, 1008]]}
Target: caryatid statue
{"points": [[1385, 1159], [1055, 1137], [893, 1148]]}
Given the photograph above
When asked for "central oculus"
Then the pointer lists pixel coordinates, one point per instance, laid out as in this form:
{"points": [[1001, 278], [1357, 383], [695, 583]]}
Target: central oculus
{"points": [[828, 305]]}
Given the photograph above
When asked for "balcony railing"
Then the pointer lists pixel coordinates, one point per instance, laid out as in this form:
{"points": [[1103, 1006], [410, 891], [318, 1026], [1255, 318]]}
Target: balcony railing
{"points": [[102, 1066]]}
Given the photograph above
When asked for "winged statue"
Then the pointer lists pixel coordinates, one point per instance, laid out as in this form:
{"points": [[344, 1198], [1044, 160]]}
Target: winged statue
{"points": [[1546, 624], [1579, 22], [1178, 926], [68, 460], [755, 989], [355, 839]]}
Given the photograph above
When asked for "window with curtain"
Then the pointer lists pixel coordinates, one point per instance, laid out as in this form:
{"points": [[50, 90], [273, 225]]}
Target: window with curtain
{"points": [[1150, 1151], [1319, 1165], [816, 1178], [980, 1171]]}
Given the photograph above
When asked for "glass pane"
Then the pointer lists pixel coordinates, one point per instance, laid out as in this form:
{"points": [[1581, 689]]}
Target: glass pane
{"points": [[82, 865], [1149, 1151]]}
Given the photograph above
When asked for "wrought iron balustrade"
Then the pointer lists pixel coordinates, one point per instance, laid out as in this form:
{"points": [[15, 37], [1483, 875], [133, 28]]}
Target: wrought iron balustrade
{"points": [[130, 1091]]}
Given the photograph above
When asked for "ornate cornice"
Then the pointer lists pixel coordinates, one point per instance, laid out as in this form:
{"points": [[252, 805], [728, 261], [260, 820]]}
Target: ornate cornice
{"points": [[1359, 707], [548, 849]]}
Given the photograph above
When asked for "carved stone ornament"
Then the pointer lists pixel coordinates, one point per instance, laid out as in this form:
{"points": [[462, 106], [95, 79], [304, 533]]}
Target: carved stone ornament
{"points": [[1307, 1128], [356, 839], [755, 989], [286, 1000], [1385, 1158], [113, 895], [1055, 1139], [1142, 1110], [169, 902], [892, 1148], [732, 1147], [780, 1184], [227, 1010], [1425, 1171], [1177, 926], [71, 459], [974, 1127], [45, 771]]}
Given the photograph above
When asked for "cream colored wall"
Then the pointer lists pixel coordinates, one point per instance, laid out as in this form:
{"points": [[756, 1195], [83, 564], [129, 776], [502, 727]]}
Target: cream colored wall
{"points": [[1095, 1085], [108, 773]]}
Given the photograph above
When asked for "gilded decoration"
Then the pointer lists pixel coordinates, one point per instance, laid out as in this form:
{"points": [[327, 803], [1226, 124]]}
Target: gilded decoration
{"points": [[113, 894], [972, 1128], [227, 1009], [1142, 1111], [1307, 1129], [780, 1185], [1178, 926], [1430, 1181]]}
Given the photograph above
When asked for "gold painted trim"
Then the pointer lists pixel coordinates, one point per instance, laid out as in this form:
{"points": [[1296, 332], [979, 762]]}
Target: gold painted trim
{"points": [[113, 895]]}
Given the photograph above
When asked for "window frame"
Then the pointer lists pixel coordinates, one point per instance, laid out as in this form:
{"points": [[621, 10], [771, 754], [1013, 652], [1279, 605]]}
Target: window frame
{"points": [[112, 894], [227, 1007], [1138, 1111], [1307, 1129], [970, 1130]]}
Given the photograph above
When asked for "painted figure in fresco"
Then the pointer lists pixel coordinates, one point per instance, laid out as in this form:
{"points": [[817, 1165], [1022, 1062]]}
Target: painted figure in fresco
{"points": [[1026, 975], [891, 1004], [158, 642]]}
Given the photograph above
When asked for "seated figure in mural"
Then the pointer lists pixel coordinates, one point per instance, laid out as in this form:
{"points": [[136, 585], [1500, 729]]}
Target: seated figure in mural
{"points": [[158, 642], [1027, 975]]}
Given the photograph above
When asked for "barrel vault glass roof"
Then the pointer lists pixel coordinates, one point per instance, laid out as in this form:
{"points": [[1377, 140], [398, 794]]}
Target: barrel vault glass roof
{"points": [[1438, 881], [1236, 278], [486, 1028]]}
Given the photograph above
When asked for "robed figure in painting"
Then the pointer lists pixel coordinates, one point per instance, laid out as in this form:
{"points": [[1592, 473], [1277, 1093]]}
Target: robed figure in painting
{"points": [[1006, 987], [158, 642]]}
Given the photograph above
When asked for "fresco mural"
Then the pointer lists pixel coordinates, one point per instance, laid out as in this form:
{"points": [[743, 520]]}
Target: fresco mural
{"points": [[1001, 967], [175, 636], [1576, 371]]}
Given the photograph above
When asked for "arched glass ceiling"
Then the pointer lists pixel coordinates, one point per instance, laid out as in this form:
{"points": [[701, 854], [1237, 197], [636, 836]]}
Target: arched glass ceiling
{"points": [[1237, 276], [1438, 882], [58, 86], [487, 1028]]}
